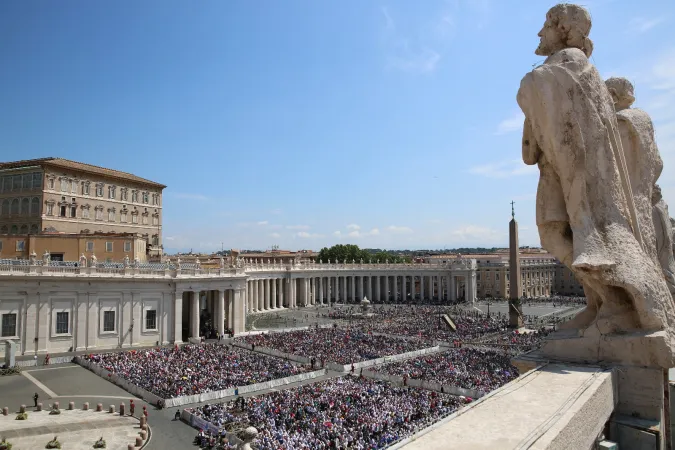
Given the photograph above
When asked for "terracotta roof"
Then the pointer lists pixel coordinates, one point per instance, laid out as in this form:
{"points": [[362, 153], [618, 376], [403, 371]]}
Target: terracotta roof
{"points": [[81, 167]]}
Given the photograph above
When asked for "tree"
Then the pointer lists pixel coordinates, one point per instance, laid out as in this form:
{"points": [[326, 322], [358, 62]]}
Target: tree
{"points": [[350, 252]]}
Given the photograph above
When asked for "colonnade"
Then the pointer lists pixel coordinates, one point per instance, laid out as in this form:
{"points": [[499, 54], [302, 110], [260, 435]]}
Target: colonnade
{"points": [[220, 304], [275, 293]]}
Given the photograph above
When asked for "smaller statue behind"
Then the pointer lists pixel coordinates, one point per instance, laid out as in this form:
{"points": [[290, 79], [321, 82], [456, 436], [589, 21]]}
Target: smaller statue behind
{"points": [[664, 238]]}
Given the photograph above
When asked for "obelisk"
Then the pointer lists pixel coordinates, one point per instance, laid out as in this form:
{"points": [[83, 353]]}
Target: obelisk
{"points": [[515, 309]]}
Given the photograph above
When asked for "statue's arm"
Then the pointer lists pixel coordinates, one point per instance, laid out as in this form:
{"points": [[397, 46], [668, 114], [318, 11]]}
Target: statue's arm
{"points": [[531, 150]]}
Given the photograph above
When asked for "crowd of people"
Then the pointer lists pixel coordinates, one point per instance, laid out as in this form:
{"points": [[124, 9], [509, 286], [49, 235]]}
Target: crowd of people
{"points": [[517, 342], [426, 322], [341, 413], [480, 369], [171, 372], [338, 345]]}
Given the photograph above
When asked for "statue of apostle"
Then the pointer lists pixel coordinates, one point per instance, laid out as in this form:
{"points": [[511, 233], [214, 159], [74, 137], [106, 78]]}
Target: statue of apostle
{"points": [[586, 214]]}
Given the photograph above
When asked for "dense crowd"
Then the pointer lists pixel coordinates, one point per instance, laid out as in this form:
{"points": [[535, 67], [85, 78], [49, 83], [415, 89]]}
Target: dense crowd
{"points": [[518, 342], [482, 370], [342, 413], [425, 322], [338, 345], [193, 369]]}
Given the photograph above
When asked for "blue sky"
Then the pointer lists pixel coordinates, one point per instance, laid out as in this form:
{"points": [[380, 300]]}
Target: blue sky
{"points": [[304, 124]]}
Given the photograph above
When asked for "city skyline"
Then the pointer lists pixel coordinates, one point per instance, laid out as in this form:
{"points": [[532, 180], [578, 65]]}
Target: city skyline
{"points": [[386, 125]]}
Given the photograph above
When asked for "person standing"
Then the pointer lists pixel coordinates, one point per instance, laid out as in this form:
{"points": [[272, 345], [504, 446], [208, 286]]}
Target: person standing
{"points": [[35, 399]]}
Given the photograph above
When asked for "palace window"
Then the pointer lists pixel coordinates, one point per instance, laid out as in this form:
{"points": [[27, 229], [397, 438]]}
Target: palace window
{"points": [[134, 217], [155, 219], [15, 230], [123, 215], [50, 209], [124, 194], [134, 196], [145, 218], [108, 320], [25, 207], [90, 246], [15, 207], [155, 239], [62, 323], [151, 319], [109, 247], [146, 197], [99, 213], [73, 187], [35, 206], [73, 211], [111, 215], [111, 191], [28, 181], [65, 184], [85, 212], [99, 189], [62, 212], [4, 211], [85, 188], [127, 246], [8, 325]]}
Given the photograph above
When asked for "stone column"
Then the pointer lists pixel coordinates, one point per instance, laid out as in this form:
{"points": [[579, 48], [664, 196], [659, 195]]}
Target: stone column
{"points": [[431, 287], [254, 296], [178, 317], [421, 287], [273, 294], [320, 290], [385, 288], [267, 294], [261, 295], [239, 319], [370, 288], [353, 287], [312, 290], [344, 289], [360, 288], [404, 293], [220, 312], [453, 287], [194, 314], [377, 293], [281, 293], [292, 300]]}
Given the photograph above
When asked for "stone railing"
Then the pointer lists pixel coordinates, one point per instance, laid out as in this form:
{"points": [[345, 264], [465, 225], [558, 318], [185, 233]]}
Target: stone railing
{"points": [[131, 272], [469, 264]]}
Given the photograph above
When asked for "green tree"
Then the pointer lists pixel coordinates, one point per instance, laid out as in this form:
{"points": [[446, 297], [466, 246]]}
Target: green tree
{"points": [[350, 252]]}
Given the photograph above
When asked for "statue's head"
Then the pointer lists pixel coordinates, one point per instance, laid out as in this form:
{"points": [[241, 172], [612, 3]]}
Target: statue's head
{"points": [[622, 92], [656, 194], [566, 26]]}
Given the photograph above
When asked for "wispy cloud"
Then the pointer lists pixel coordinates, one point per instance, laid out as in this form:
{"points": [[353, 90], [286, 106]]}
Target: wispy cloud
{"points": [[276, 211], [306, 235], [356, 233], [398, 229], [263, 222], [353, 226], [504, 169], [511, 124], [275, 235], [187, 196], [297, 227], [639, 25], [477, 233], [414, 53]]}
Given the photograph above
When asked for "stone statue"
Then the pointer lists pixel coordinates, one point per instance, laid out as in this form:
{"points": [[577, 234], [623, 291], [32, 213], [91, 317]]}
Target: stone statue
{"points": [[247, 436], [198, 263], [643, 162], [664, 238], [82, 263], [361, 260], [137, 262], [586, 212], [33, 258], [46, 258], [672, 225], [126, 261], [221, 262], [94, 260]]}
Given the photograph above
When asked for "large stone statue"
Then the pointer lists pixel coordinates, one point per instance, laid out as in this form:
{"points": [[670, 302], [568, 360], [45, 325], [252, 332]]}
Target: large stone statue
{"points": [[664, 238], [586, 212]]}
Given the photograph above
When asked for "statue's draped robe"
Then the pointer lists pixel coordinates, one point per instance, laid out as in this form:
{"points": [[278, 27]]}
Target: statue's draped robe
{"points": [[664, 243], [570, 114], [644, 166]]}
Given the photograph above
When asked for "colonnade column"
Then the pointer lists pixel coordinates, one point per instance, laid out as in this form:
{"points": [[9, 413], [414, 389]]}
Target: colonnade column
{"points": [[336, 292], [280, 298], [431, 287], [344, 289], [220, 312], [376, 283], [178, 317], [353, 287], [421, 287], [320, 290], [194, 314], [404, 294], [266, 294], [385, 288], [453, 288], [273, 294], [360, 289]]}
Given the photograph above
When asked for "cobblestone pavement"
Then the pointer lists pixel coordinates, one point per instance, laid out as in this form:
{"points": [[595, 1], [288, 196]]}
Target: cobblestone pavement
{"points": [[77, 429]]}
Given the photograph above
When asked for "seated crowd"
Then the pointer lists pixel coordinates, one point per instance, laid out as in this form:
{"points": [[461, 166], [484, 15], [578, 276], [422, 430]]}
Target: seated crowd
{"points": [[338, 345], [479, 369], [193, 369], [517, 342], [340, 413], [425, 322]]}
